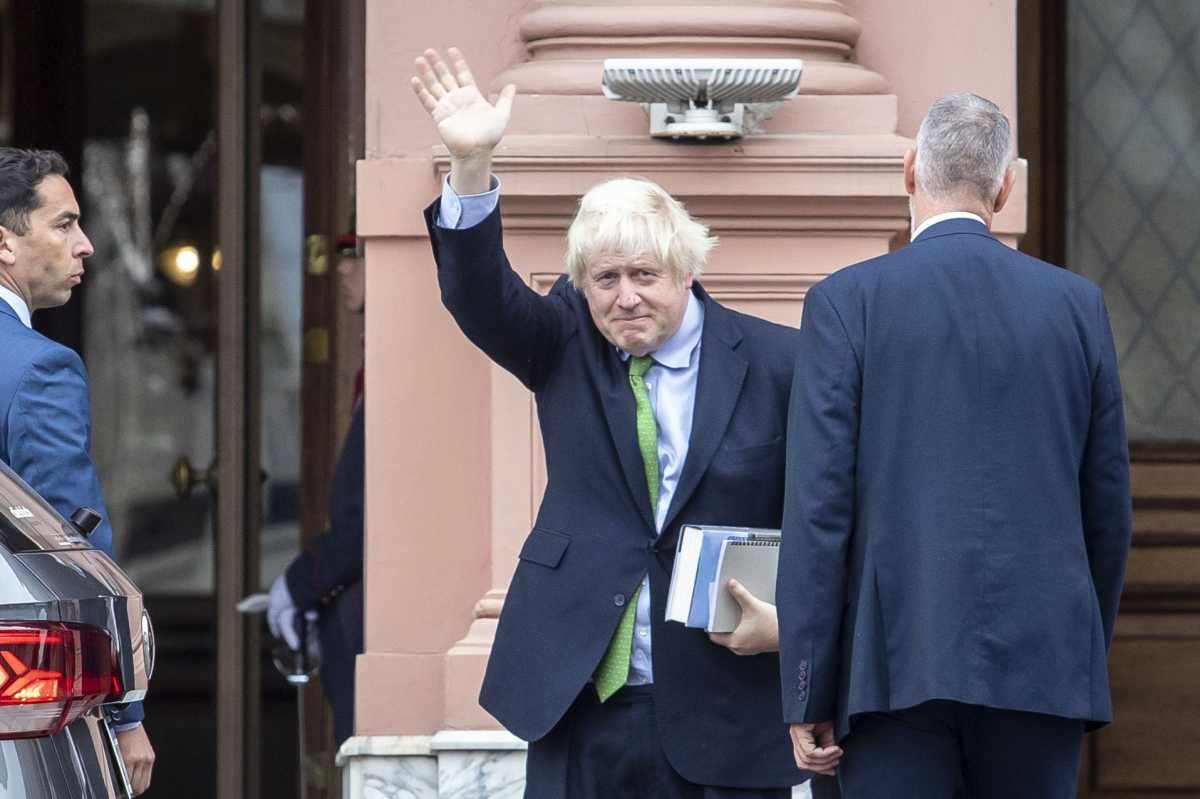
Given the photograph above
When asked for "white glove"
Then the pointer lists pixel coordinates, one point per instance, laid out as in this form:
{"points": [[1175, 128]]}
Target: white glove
{"points": [[281, 613]]}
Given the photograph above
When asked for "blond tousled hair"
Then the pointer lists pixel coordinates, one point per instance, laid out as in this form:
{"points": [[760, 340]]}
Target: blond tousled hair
{"points": [[636, 218]]}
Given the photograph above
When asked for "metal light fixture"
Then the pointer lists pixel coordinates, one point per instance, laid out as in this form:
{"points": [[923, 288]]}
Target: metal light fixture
{"points": [[700, 98]]}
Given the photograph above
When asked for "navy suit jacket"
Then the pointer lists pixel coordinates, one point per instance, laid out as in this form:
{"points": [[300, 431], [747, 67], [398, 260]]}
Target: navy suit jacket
{"points": [[327, 577], [46, 430], [594, 536], [958, 504]]}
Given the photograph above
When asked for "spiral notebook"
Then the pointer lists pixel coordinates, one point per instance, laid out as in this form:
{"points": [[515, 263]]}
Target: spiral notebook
{"points": [[696, 555], [753, 563]]}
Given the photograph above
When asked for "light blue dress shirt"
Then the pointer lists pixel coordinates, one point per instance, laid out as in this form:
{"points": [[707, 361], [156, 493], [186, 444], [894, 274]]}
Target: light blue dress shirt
{"points": [[457, 212], [670, 382]]}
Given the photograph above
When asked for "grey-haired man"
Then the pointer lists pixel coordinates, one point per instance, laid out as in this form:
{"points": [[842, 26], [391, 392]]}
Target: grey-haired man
{"points": [[957, 515]]}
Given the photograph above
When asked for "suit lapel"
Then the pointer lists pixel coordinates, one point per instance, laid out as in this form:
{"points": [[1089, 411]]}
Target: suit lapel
{"points": [[718, 386], [621, 412]]}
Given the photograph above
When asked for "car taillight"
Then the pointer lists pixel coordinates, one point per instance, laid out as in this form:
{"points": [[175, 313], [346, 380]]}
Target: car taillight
{"points": [[51, 673]]}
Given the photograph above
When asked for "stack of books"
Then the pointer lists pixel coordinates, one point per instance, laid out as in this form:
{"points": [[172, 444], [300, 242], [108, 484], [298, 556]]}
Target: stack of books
{"points": [[706, 559]]}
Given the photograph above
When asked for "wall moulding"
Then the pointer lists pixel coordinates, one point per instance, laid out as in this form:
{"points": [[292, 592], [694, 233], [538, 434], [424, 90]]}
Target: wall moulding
{"points": [[722, 286], [821, 190], [782, 155], [568, 41], [583, 76], [595, 116], [829, 225], [825, 22]]}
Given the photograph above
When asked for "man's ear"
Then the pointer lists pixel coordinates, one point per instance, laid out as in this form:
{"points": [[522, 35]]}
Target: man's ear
{"points": [[8, 255], [1006, 187], [910, 170]]}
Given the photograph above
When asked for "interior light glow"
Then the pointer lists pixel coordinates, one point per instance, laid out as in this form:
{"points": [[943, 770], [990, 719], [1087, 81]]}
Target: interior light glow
{"points": [[180, 264], [187, 260]]}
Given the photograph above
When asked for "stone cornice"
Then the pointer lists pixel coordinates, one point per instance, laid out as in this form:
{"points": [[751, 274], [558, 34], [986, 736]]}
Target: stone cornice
{"points": [[812, 183], [568, 41]]}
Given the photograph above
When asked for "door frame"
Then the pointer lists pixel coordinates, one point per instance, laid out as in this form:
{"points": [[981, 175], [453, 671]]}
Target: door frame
{"points": [[1155, 605], [334, 64], [238, 500]]}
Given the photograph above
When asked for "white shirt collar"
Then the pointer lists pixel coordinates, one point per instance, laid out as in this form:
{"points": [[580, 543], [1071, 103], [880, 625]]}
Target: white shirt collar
{"points": [[676, 353], [933, 220], [18, 305]]}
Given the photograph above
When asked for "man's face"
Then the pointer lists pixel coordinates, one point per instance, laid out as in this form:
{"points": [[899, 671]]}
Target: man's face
{"points": [[354, 282], [47, 261], [635, 303]]}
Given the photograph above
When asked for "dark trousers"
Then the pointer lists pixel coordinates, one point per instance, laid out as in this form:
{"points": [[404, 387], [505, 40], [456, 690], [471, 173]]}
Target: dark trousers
{"points": [[341, 631], [949, 750], [612, 751]]}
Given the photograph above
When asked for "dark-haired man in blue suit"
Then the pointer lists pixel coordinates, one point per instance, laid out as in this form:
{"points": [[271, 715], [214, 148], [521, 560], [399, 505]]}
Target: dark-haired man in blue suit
{"points": [[45, 422], [958, 508], [658, 407]]}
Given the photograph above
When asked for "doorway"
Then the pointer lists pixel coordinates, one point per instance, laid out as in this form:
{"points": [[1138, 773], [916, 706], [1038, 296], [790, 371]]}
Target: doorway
{"points": [[1110, 125], [215, 417]]}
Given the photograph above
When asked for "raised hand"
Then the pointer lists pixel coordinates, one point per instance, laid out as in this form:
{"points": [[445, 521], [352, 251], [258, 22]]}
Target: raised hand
{"points": [[469, 125]]}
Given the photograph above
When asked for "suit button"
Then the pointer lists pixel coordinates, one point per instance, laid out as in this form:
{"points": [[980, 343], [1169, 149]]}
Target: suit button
{"points": [[619, 600]]}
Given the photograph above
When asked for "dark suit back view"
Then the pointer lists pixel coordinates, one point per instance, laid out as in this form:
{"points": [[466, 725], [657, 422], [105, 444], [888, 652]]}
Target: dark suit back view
{"points": [[956, 440]]}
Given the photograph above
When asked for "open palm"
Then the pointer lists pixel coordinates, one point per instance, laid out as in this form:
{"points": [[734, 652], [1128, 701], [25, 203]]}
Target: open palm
{"points": [[468, 124]]}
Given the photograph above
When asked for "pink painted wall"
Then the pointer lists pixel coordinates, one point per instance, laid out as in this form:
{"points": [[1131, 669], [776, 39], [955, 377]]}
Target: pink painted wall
{"points": [[398, 31], [928, 48], [453, 465]]}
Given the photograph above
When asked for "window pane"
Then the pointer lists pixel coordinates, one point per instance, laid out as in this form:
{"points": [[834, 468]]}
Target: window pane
{"points": [[1133, 180]]}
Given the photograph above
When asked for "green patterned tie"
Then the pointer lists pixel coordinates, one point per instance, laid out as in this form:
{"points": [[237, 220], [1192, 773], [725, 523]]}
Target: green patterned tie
{"points": [[614, 667]]}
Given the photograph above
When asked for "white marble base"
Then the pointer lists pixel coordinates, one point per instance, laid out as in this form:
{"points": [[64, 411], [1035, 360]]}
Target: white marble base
{"points": [[479, 764], [388, 767], [453, 764]]}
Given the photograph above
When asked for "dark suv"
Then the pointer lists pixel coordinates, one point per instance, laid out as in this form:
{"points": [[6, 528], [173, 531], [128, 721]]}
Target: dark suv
{"points": [[74, 636]]}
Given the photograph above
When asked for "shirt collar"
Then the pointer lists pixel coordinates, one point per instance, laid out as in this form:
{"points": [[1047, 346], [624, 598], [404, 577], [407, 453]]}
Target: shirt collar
{"points": [[933, 220], [677, 352], [18, 305]]}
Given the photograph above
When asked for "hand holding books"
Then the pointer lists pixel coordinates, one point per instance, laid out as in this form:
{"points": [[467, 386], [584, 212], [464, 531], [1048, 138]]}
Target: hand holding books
{"points": [[758, 629], [723, 582]]}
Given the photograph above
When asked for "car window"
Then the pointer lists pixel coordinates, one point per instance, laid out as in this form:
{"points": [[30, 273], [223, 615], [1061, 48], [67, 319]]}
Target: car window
{"points": [[27, 522]]}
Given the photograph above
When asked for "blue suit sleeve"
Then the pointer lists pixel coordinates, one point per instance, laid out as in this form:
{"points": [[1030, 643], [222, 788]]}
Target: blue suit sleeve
{"points": [[1104, 481], [818, 516], [50, 429]]}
